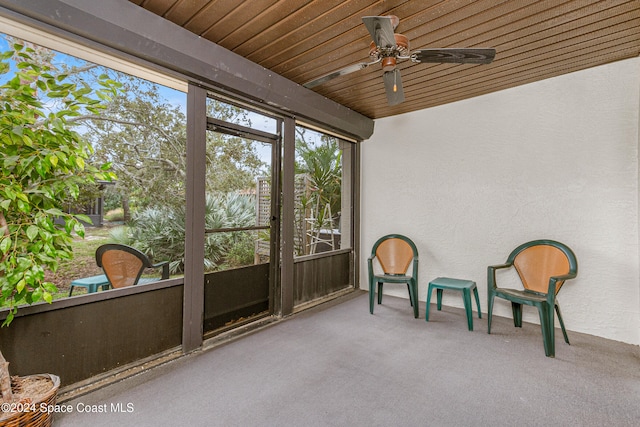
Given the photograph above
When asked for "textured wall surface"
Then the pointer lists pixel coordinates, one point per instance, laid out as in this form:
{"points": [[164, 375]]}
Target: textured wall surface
{"points": [[557, 159]]}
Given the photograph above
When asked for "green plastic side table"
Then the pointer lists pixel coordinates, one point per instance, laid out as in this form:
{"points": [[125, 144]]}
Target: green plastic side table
{"points": [[91, 283], [465, 286]]}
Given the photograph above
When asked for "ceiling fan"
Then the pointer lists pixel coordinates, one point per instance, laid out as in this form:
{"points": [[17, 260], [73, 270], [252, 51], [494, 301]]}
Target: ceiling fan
{"points": [[387, 48]]}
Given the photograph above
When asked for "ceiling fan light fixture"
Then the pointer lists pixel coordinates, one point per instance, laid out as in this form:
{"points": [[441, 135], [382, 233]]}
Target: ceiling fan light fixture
{"points": [[389, 63]]}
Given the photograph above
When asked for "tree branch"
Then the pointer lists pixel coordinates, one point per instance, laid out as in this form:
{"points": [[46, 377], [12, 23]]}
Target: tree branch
{"points": [[158, 129], [5, 230], [168, 162]]}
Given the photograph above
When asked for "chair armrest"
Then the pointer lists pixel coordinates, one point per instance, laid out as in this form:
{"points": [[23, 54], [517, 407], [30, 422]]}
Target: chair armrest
{"points": [[563, 277], [165, 268], [370, 262], [491, 274], [553, 280], [499, 266], [370, 266]]}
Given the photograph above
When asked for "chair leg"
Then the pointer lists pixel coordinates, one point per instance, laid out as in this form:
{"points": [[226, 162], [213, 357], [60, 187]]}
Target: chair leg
{"points": [[71, 290], [517, 314], [439, 298], [410, 294], [413, 295], [564, 331], [372, 295], [546, 324], [380, 292], [489, 311]]}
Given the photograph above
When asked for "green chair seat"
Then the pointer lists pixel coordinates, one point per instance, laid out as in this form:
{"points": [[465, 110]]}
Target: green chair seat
{"points": [[522, 296]]}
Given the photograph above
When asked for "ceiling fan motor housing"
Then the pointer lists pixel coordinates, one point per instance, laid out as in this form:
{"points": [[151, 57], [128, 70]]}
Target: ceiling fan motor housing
{"points": [[389, 54]]}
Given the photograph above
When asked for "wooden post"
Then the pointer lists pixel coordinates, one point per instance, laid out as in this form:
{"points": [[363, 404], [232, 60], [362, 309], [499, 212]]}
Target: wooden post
{"points": [[193, 306]]}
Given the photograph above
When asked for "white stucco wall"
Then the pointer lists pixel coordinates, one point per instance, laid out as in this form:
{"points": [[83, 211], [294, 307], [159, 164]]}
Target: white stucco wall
{"points": [[471, 180]]}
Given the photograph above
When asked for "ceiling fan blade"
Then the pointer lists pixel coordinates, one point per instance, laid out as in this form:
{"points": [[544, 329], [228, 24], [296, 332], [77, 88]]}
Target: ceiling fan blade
{"points": [[457, 56], [393, 87], [381, 30], [338, 73]]}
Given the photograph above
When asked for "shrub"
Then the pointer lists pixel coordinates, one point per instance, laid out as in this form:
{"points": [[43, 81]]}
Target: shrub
{"points": [[44, 163], [159, 232], [115, 215]]}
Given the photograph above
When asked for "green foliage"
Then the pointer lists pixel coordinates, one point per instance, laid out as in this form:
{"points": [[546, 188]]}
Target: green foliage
{"points": [[160, 232], [323, 165], [232, 249], [144, 138], [45, 161], [111, 198], [114, 215], [232, 162], [87, 194]]}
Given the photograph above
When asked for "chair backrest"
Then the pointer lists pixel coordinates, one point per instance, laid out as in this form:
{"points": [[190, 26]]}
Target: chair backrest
{"points": [[122, 264], [539, 260], [395, 253]]}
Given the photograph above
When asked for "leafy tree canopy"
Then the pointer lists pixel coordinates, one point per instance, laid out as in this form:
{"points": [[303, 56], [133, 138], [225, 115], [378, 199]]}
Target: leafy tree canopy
{"points": [[45, 161], [144, 137], [321, 161]]}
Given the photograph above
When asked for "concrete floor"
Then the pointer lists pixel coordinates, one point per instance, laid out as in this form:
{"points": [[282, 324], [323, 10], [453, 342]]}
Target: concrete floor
{"points": [[337, 365]]}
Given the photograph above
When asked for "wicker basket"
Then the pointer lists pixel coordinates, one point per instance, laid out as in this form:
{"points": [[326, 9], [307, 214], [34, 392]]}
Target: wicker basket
{"points": [[36, 418]]}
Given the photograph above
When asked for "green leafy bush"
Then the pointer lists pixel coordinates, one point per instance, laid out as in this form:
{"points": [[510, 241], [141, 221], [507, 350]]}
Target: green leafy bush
{"points": [[160, 232], [44, 163]]}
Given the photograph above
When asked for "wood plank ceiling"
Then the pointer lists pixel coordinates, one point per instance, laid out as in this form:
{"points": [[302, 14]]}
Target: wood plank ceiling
{"points": [[304, 39]]}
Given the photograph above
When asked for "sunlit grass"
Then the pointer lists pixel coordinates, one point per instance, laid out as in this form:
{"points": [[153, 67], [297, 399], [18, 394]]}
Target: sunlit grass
{"points": [[83, 263]]}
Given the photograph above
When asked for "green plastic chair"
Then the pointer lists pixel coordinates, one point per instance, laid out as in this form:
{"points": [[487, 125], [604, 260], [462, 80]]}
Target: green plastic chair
{"points": [[395, 254], [543, 267], [123, 265]]}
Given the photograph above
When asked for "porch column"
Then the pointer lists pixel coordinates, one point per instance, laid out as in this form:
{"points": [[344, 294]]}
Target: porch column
{"points": [[193, 304], [288, 216]]}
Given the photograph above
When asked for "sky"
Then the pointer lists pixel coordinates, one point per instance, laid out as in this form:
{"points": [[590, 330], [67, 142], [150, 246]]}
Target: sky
{"points": [[172, 97]]}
